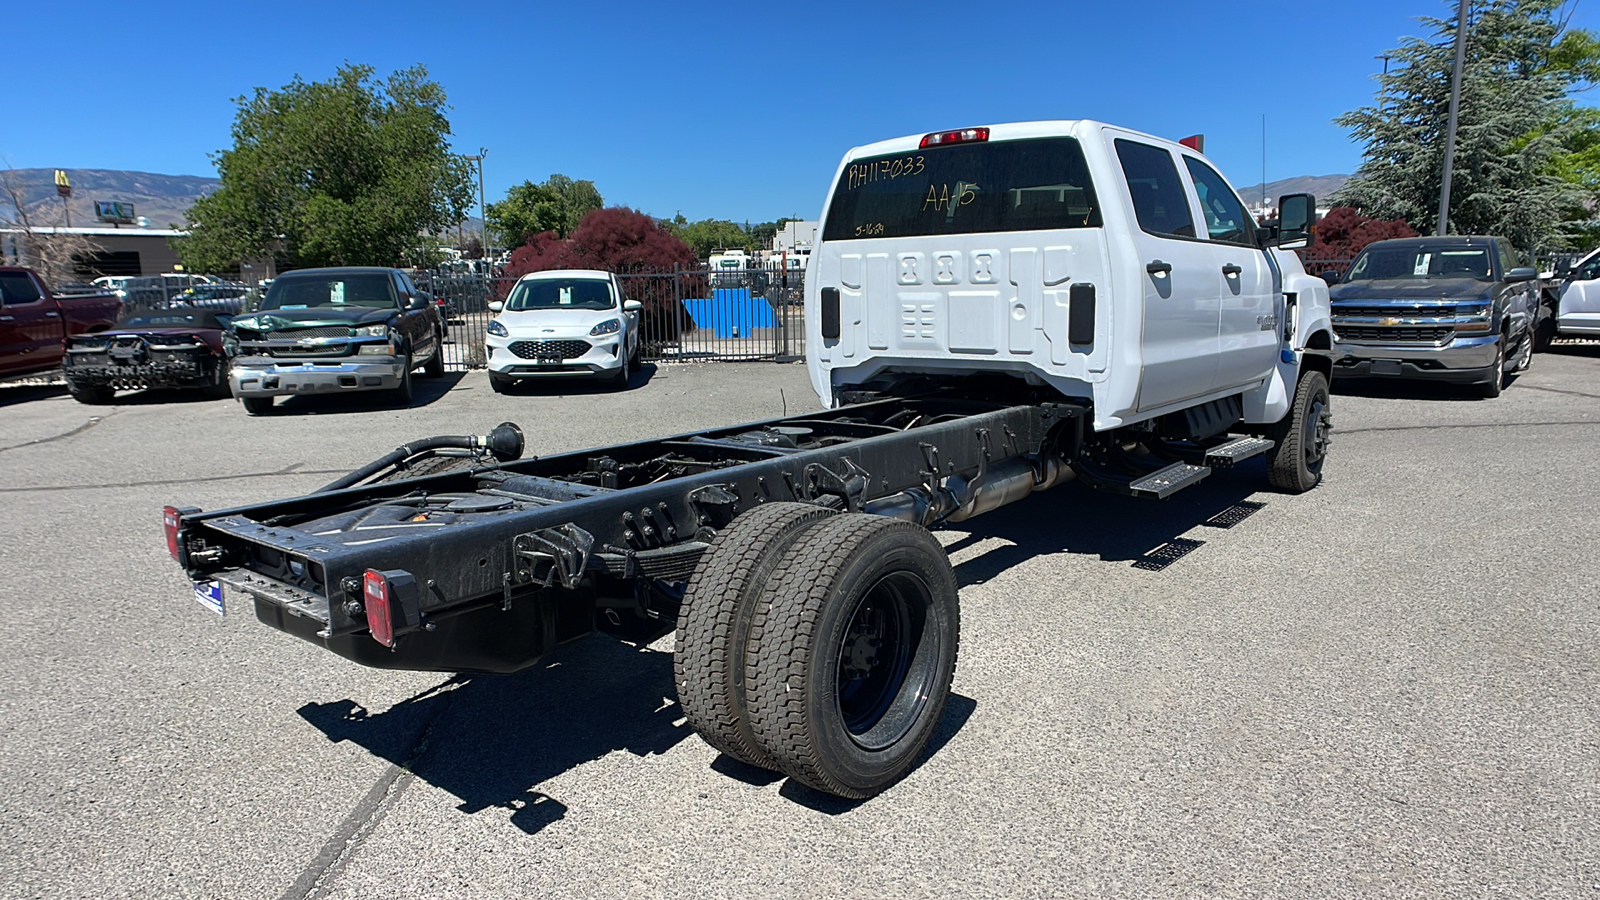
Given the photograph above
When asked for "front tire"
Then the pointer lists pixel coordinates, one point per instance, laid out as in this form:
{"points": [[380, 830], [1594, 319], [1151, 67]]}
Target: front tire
{"points": [[851, 653], [91, 395], [714, 623], [435, 366], [257, 406], [1294, 464], [1491, 389], [499, 385], [403, 393]]}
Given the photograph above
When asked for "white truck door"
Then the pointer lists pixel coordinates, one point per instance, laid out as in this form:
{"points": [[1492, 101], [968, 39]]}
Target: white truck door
{"points": [[1579, 310], [1180, 276], [1248, 339]]}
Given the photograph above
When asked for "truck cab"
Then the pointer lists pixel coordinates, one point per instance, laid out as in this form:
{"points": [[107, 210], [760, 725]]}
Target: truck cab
{"points": [[1118, 268]]}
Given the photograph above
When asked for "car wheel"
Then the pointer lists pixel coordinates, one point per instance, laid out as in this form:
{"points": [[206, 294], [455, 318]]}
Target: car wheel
{"points": [[1301, 439], [851, 653], [218, 388], [1529, 345], [1491, 389], [714, 623], [435, 366], [257, 406], [499, 384], [402, 393]]}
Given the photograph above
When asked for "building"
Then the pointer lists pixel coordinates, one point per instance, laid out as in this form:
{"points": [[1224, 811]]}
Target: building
{"points": [[119, 251], [795, 237]]}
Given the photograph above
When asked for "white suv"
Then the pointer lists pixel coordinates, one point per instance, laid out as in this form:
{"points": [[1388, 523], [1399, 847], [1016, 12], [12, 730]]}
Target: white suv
{"points": [[564, 322]]}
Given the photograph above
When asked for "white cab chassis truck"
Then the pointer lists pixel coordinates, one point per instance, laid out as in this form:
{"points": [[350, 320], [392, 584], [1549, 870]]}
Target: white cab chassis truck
{"points": [[991, 311]]}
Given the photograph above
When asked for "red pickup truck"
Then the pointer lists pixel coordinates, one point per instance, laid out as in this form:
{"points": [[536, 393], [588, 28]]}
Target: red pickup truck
{"points": [[34, 323]]}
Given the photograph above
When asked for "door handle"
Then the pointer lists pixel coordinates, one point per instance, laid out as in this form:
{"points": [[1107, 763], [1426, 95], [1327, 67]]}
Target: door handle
{"points": [[1157, 267], [8, 318], [1231, 269], [52, 315]]}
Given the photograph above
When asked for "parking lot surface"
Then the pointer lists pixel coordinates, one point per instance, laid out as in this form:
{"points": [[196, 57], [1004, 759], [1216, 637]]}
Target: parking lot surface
{"points": [[1385, 687]]}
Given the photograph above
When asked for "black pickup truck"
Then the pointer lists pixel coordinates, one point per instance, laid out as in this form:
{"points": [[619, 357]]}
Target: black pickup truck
{"points": [[1457, 309], [335, 331]]}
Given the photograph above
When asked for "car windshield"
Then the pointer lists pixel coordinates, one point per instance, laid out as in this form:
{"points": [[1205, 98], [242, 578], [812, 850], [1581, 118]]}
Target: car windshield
{"points": [[177, 317], [1421, 261], [964, 189], [560, 293], [371, 289]]}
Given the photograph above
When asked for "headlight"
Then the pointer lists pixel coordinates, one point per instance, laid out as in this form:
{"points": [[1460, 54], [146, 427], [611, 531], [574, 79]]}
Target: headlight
{"points": [[609, 326], [377, 330], [496, 329]]}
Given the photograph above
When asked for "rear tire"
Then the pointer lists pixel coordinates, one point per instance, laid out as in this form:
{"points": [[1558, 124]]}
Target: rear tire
{"points": [[257, 406], [714, 623], [1294, 464], [851, 654]]}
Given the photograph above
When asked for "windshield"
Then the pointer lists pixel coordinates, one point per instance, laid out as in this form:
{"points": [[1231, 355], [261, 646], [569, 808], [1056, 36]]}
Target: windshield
{"points": [[373, 289], [176, 317], [964, 189], [560, 293], [1422, 261]]}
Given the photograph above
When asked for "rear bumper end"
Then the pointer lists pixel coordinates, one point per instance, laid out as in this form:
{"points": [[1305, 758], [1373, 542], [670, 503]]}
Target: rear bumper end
{"points": [[1461, 361], [266, 377]]}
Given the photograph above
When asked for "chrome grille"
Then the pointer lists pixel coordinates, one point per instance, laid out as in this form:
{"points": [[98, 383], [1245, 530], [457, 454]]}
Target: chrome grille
{"points": [[1426, 334], [549, 349], [325, 331]]}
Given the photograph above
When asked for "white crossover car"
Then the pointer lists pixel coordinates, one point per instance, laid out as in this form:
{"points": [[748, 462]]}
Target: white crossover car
{"points": [[564, 322]]}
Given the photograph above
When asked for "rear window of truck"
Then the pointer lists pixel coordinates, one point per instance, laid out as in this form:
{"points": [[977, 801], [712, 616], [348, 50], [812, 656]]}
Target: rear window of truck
{"points": [[964, 189]]}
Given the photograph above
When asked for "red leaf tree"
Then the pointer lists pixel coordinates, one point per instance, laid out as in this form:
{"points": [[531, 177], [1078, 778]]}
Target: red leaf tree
{"points": [[629, 243], [1343, 232]]}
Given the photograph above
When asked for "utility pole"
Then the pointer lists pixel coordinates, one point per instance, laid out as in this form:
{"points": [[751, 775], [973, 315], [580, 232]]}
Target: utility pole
{"points": [[483, 221], [1455, 109]]}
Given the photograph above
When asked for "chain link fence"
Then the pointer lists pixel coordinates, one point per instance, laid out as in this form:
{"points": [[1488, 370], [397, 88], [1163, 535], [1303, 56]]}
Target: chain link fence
{"points": [[689, 313]]}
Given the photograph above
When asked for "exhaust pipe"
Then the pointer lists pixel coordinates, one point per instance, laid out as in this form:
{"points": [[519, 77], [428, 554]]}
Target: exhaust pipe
{"points": [[961, 498], [504, 442]]}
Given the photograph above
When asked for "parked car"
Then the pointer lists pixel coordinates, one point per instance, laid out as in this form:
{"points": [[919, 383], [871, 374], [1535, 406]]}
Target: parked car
{"points": [[335, 331], [564, 322], [1571, 302], [1456, 309], [224, 298], [179, 347], [158, 291], [34, 322]]}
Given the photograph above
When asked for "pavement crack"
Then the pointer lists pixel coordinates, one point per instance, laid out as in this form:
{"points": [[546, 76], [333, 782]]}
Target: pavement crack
{"points": [[289, 470], [93, 421], [1551, 390], [356, 827]]}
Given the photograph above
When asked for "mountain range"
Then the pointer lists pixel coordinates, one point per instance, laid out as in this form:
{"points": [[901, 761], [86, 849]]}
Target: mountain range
{"points": [[1322, 186]]}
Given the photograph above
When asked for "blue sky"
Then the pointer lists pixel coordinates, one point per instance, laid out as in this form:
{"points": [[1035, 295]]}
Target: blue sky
{"points": [[736, 111]]}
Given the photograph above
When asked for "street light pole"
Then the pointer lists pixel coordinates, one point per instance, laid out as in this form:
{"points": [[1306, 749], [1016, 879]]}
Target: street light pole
{"points": [[1455, 108]]}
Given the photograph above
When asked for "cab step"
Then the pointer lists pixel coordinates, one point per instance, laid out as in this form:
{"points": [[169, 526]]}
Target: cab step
{"points": [[1169, 481], [1225, 456]]}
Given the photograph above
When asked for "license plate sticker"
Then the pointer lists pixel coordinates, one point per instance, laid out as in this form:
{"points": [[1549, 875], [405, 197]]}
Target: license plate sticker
{"points": [[209, 594]]}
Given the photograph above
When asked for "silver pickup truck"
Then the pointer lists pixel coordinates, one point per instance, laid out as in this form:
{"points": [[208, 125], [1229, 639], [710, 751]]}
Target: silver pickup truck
{"points": [[1457, 309]]}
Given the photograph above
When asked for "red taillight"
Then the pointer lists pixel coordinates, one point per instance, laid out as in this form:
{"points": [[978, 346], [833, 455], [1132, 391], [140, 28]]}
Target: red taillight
{"points": [[169, 517], [380, 614], [964, 136]]}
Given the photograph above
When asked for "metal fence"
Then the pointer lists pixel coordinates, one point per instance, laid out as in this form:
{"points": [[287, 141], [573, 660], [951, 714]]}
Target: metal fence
{"points": [[689, 313]]}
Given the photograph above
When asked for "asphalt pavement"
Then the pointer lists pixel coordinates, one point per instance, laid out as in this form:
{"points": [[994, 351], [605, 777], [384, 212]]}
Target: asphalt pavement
{"points": [[1385, 687]]}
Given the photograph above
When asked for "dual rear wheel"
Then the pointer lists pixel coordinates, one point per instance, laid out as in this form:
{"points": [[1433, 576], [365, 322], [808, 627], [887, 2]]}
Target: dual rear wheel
{"points": [[819, 644]]}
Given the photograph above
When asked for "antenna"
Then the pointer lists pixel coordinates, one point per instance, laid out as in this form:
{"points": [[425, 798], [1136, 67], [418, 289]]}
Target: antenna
{"points": [[1263, 162]]}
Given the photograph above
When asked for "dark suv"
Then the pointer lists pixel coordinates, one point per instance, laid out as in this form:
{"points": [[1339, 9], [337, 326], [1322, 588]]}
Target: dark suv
{"points": [[1458, 309]]}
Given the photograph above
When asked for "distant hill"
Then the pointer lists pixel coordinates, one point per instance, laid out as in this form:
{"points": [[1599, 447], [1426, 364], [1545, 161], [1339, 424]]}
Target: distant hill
{"points": [[163, 199], [1323, 186]]}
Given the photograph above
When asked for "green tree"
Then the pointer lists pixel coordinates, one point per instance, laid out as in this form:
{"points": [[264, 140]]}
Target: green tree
{"points": [[1515, 126], [349, 171], [557, 205], [707, 235]]}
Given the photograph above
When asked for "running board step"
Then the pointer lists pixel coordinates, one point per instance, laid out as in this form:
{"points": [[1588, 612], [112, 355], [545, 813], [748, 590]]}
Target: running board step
{"points": [[1226, 455], [1169, 481]]}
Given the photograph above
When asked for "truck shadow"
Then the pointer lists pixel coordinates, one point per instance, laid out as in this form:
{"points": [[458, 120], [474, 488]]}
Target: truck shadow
{"points": [[1400, 389], [1075, 518], [424, 391], [492, 741]]}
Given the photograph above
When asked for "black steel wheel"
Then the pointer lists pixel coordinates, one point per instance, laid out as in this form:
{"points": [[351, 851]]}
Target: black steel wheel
{"points": [[1294, 464], [851, 654], [714, 623]]}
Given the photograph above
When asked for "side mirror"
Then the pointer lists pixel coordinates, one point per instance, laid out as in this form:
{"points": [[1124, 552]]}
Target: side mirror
{"points": [[417, 301], [1563, 267], [1331, 276], [1297, 216], [1522, 273], [496, 306], [631, 306]]}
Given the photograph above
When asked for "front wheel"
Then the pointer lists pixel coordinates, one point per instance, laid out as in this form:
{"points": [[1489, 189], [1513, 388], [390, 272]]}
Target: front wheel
{"points": [[851, 653], [435, 366], [1294, 464], [257, 406], [92, 395], [1491, 389], [402, 392]]}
